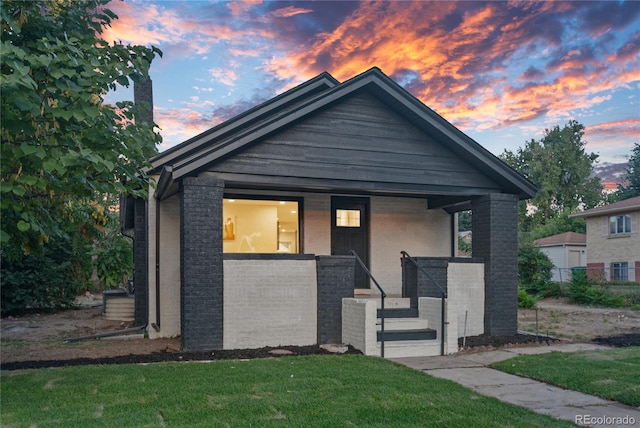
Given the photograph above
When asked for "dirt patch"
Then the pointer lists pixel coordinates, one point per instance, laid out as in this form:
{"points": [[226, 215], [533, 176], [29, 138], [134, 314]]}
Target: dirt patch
{"points": [[558, 318], [38, 340]]}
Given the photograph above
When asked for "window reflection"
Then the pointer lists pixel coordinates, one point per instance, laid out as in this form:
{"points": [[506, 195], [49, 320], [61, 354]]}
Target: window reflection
{"points": [[260, 226]]}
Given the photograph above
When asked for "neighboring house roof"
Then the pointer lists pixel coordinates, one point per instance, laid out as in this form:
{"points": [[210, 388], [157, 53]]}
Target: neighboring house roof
{"points": [[567, 238], [631, 204], [309, 98]]}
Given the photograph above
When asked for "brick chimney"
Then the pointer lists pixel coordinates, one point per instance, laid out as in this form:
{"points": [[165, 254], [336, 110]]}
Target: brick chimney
{"points": [[143, 92]]}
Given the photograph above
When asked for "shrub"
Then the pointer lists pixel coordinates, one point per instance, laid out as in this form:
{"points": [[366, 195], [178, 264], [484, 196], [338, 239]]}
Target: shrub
{"points": [[526, 300], [586, 291], [534, 269], [42, 281]]}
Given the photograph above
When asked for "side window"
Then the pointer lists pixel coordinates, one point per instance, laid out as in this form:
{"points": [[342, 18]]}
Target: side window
{"points": [[260, 226], [620, 271], [620, 224]]}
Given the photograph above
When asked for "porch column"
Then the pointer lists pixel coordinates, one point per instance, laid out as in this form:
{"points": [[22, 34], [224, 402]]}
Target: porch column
{"points": [[201, 275], [141, 262], [495, 239], [335, 282]]}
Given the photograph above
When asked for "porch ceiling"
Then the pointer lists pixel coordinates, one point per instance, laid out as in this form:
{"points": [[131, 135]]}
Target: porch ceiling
{"points": [[452, 199]]}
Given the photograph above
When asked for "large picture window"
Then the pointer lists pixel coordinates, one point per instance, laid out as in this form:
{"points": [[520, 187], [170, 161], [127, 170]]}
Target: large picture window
{"points": [[260, 225], [619, 224]]}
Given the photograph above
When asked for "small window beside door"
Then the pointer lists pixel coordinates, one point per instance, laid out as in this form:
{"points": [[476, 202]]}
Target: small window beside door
{"points": [[347, 218]]}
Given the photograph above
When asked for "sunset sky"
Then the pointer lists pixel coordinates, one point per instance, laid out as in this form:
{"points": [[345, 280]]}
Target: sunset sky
{"points": [[502, 72]]}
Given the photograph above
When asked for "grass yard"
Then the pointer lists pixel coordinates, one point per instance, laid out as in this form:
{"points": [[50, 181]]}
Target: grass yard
{"points": [[350, 390], [611, 373]]}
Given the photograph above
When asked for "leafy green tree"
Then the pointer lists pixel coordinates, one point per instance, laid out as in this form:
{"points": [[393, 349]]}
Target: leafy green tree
{"points": [[630, 186], [465, 221], [560, 167], [562, 223], [62, 145]]}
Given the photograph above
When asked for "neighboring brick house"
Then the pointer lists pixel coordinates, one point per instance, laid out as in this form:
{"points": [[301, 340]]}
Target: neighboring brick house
{"points": [[245, 240], [613, 240], [565, 250]]}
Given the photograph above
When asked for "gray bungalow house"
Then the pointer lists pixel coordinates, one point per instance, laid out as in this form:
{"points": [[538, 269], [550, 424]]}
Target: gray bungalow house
{"points": [[250, 237]]}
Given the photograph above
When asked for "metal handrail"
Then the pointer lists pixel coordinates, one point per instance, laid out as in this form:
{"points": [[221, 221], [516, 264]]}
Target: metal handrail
{"points": [[415, 262], [442, 298], [383, 295]]}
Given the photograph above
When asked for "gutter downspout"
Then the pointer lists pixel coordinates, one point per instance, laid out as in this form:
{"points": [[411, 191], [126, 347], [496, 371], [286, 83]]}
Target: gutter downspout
{"points": [[163, 184], [454, 234], [106, 334], [156, 325]]}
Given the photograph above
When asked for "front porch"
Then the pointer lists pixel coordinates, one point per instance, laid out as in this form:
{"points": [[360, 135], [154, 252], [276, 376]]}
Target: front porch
{"points": [[303, 299]]}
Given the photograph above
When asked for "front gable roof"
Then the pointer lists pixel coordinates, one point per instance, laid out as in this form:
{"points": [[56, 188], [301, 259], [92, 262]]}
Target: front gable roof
{"points": [[317, 95]]}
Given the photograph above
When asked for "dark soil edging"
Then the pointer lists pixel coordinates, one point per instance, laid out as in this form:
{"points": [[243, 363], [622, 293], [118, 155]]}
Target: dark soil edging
{"points": [[622, 341], [472, 343], [168, 356]]}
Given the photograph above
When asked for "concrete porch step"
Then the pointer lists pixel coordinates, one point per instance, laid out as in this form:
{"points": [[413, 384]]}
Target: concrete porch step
{"points": [[410, 348], [392, 324], [390, 302], [403, 335], [398, 313]]}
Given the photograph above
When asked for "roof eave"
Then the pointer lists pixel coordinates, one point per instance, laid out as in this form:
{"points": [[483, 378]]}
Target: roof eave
{"points": [[323, 80]]}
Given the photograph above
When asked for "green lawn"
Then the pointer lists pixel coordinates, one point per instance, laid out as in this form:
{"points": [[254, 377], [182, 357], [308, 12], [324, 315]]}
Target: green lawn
{"points": [[611, 373], [327, 391]]}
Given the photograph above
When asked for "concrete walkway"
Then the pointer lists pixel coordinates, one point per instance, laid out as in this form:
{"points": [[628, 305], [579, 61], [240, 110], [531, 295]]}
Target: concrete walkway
{"points": [[471, 371]]}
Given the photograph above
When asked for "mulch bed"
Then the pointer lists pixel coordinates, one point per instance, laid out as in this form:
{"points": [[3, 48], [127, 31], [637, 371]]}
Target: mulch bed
{"points": [[171, 356], [485, 341], [479, 342], [621, 341]]}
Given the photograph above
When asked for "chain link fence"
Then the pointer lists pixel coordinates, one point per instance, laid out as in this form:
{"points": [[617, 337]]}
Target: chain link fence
{"points": [[622, 275]]}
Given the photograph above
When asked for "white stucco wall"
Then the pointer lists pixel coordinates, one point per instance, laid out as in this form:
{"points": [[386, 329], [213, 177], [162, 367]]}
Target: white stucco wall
{"points": [[404, 224], [269, 303], [169, 267]]}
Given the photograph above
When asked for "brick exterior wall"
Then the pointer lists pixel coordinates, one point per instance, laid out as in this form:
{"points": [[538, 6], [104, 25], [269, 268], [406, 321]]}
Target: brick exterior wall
{"points": [[335, 282], [465, 283], [359, 325], [269, 300], [141, 262], [143, 93], [596, 272], [201, 294], [437, 268], [430, 308], [495, 239], [606, 248]]}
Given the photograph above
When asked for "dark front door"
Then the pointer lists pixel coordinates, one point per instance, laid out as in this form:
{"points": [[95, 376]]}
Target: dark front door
{"points": [[350, 231]]}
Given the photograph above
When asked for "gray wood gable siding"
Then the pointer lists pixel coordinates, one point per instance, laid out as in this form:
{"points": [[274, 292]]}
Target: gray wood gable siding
{"points": [[357, 144]]}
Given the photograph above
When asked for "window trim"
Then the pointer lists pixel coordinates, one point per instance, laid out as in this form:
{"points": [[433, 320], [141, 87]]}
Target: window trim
{"points": [[622, 268], [626, 224], [275, 197]]}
